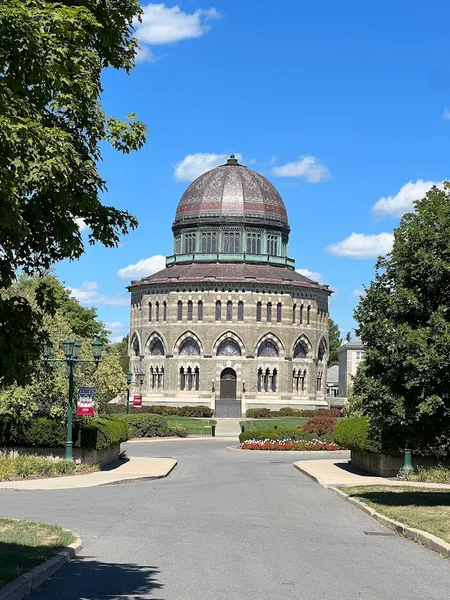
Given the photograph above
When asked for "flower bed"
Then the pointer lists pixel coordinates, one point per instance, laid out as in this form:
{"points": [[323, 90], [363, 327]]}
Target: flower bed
{"points": [[288, 445]]}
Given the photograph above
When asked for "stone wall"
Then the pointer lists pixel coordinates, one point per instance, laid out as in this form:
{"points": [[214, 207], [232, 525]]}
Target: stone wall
{"points": [[97, 457], [385, 465]]}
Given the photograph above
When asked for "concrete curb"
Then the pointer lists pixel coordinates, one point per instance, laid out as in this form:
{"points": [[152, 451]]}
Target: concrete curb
{"points": [[427, 539], [31, 581], [177, 439], [145, 478]]}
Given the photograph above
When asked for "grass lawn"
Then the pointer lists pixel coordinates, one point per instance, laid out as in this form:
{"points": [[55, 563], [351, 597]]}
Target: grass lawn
{"points": [[266, 424], [427, 509], [25, 544], [192, 425]]}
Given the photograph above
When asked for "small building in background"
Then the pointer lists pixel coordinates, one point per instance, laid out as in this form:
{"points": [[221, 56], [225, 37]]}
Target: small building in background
{"points": [[333, 381], [350, 356]]}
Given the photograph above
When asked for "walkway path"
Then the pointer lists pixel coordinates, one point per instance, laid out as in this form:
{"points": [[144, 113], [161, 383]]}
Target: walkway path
{"points": [[228, 428], [227, 526]]}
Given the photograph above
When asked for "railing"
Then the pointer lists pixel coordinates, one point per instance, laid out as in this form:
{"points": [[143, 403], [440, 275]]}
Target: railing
{"points": [[230, 257]]}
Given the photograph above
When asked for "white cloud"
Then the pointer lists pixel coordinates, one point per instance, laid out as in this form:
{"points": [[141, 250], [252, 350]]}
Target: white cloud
{"points": [[194, 165], [446, 114], [143, 268], [163, 25], [88, 295], [81, 224], [306, 167], [311, 274], [358, 293], [360, 245], [115, 339], [404, 200], [114, 325]]}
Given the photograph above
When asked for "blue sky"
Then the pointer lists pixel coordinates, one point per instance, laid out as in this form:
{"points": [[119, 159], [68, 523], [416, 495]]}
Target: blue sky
{"points": [[344, 106]]}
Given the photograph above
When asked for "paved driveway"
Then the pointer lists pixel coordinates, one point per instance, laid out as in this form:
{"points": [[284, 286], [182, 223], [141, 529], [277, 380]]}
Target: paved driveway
{"points": [[227, 526]]}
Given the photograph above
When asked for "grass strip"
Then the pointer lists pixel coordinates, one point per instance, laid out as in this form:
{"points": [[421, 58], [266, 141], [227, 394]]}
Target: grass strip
{"points": [[34, 467], [427, 509], [26, 544], [192, 425]]}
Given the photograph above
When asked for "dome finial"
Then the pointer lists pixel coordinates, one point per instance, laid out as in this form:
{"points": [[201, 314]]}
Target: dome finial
{"points": [[232, 160]]}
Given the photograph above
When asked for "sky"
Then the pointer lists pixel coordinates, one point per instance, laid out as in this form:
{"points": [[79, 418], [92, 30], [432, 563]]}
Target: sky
{"points": [[343, 106]]}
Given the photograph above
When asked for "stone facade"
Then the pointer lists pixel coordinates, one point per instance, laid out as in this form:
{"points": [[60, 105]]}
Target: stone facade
{"points": [[350, 356], [228, 334]]}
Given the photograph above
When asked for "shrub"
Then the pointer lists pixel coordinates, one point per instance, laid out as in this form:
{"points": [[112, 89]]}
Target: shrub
{"points": [[178, 431], [289, 412], [28, 467], [353, 434], [266, 413], [320, 425], [283, 434], [90, 433], [159, 409], [146, 425], [195, 411], [438, 474]]}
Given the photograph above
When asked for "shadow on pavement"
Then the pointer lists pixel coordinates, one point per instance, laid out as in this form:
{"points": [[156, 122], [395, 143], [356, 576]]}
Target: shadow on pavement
{"points": [[349, 469], [85, 578]]}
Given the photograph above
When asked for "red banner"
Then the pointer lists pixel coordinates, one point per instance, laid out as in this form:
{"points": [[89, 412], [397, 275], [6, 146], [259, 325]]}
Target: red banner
{"points": [[85, 402], [137, 401]]}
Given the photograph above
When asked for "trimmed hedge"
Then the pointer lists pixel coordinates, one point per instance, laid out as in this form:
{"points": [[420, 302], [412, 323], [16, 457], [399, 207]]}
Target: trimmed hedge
{"points": [[283, 434], [354, 434], [266, 413], [146, 425], [167, 411], [89, 433]]}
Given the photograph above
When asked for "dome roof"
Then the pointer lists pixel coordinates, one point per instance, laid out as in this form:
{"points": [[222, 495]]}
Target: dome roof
{"points": [[230, 193]]}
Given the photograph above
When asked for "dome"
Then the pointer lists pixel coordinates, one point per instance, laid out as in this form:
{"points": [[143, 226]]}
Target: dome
{"points": [[230, 193]]}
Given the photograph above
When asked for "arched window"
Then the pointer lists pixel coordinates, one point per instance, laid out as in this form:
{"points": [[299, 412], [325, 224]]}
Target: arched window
{"points": [[200, 310], [190, 310], [157, 311], [299, 377], [301, 314], [268, 349], [279, 312], [182, 379], [272, 243], [218, 310], [258, 312], [164, 311], [189, 348], [308, 315], [209, 241], [135, 346], [319, 382], [294, 310], [157, 349], [269, 312], [254, 243], [231, 242], [229, 310], [321, 352], [180, 311], [189, 243], [240, 311], [228, 348], [149, 311], [267, 380], [299, 351]]}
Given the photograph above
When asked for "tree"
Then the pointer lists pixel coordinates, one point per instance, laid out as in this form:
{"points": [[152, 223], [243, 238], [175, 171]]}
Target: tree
{"points": [[404, 322], [52, 55], [47, 391], [348, 337], [334, 341], [121, 348]]}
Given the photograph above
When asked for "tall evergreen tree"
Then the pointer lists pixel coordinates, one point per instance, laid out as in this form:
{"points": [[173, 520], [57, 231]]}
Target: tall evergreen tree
{"points": [[334, 341], [403, 385]]}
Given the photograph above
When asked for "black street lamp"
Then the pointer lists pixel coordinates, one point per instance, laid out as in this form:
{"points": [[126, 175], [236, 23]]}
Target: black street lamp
{"points": [[71, 354], [129, 380]]}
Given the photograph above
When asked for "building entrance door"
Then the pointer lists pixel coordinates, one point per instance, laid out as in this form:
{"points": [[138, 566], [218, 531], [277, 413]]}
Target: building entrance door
{"points": [[228, 405]]}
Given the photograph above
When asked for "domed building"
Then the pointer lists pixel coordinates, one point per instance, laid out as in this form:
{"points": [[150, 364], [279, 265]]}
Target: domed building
{"points": [[229, 323]]}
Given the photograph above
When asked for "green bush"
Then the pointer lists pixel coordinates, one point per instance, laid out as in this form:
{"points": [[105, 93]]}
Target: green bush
{"points": [[90, 433], [440, 474], [167, 411], [146, 425], [287, 411], [31, 467], [178, 431], [283, 434], [353, 434], [266, 413]]}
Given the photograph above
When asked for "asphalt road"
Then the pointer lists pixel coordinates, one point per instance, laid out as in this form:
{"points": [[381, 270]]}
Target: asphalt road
{"points": [[227, 526]]}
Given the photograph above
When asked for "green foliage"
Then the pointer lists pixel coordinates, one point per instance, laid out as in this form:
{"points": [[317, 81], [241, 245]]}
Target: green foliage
{"points": [[266, 413], [294, 435], [404, 322], [320, 425], [353, 434], [178, 431], [52, 125], [433, 475], [121, 349], [199, 411], [33, 467], [92, 434], [145, 425], [334, 341], [47, 391]]}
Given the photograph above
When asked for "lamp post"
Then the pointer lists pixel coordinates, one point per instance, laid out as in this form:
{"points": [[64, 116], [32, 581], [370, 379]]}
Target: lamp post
{"points": [[129, 379], [71, 354]]}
